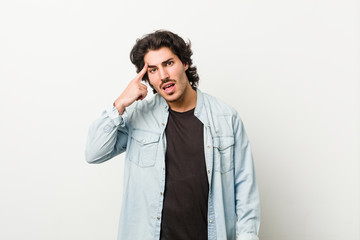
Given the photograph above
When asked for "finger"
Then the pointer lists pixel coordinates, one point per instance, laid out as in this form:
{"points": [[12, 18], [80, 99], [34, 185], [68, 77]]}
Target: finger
{"points": [[143, 86], [143, 95], [142, 72]]}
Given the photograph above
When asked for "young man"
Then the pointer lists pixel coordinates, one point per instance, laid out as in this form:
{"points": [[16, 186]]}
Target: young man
{"points": [[189, 173]]}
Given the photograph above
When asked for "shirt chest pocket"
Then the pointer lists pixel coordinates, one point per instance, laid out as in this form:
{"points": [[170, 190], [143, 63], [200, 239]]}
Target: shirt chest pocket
{"points": [[223, 148], [143, 148]]}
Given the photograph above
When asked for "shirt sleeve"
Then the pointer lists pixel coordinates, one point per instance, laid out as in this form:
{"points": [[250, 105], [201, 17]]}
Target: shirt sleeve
{"points": [[247, 201], [107, 136]]}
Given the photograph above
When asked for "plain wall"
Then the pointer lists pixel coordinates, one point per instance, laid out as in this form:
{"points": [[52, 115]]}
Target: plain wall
{"points": [[291, 69]]}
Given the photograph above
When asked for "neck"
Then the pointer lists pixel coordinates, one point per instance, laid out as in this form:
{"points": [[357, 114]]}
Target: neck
{"points": [[186, 102]]}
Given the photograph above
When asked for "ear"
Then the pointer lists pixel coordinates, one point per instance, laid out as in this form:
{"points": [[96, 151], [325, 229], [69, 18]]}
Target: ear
{"points": [[186, 66]]}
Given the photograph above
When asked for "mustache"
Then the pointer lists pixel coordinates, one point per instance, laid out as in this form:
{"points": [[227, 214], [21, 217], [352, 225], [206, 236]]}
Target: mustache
{"points": [[166, 80]]}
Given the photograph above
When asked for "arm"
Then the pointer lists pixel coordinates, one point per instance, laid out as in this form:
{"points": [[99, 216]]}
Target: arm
{"points": [[108, 135], [246, 191]]}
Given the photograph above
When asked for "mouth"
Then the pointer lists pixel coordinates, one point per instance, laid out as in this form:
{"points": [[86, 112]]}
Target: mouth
{"points": [[168, 87]]}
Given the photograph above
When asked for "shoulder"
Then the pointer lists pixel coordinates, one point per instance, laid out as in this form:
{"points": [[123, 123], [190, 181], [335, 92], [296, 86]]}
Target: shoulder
{"points": [[224, 118], [146, 105], [217, 106], [146, 114]]}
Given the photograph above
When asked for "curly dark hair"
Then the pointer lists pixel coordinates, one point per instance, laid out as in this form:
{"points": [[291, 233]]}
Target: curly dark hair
{"points": [[157, 40]]}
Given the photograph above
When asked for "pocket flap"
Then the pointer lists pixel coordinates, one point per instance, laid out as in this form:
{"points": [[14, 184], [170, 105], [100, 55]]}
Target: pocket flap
{"points": [[144, 137], [223, 143]]}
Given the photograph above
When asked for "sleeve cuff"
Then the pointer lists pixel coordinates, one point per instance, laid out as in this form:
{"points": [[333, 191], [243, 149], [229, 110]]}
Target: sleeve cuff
{"points": [[114, 115]]}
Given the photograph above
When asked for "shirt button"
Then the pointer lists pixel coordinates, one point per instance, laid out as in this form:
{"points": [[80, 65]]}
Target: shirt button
{"points": [[160, 193], [208, 171], [163, 124], [210, 221], [196, 112], [220, 147], [209, 146], [158, 218], [143, 141]]}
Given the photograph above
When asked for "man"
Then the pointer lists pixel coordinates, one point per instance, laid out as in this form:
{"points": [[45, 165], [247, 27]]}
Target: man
{"points": [[189, 173]]}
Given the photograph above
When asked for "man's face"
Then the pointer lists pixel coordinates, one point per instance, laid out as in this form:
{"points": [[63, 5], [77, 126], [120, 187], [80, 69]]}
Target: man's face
{"points": [[167, 74]]}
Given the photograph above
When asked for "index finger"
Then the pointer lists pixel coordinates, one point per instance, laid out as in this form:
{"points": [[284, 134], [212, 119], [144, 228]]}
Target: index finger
{"points": [[142, 72]]}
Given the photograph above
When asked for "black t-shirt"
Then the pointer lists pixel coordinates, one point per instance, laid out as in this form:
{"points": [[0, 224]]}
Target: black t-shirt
{"points": [[184, 215]]}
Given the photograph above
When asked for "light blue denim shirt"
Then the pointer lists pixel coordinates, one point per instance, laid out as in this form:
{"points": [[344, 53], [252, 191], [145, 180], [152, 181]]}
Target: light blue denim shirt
{"points": [[233, 204]]}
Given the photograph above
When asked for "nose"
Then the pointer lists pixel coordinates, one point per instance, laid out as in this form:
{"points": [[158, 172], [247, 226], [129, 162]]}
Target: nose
{"points": [[163, 74]]}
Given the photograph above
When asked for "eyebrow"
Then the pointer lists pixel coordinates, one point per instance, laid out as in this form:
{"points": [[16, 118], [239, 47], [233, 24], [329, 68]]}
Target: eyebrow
{"points": [[163, 63]]}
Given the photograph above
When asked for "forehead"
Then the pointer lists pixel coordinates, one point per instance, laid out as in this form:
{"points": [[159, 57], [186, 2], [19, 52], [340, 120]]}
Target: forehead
{"points": [[156, 57]]}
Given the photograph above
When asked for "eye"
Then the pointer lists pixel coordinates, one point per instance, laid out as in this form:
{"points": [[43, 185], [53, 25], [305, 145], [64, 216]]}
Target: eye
{"points": [[169, 63], [152, 70]]}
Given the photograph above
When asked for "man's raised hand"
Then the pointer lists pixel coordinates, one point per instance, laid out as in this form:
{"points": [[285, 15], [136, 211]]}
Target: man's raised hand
{"points": [[134, 91]]}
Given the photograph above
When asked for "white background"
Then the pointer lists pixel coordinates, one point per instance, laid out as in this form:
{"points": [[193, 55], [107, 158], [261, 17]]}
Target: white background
{"points": [[291, 69]]}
